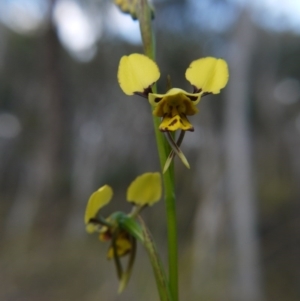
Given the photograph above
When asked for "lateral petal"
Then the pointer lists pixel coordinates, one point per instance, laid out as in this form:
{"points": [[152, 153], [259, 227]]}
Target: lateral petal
{"points": [[208, 74], [136, 73]]}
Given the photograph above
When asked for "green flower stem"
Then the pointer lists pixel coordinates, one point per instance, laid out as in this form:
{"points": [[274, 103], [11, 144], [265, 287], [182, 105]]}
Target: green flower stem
{"points": [[140, 232], [161, 281], [170, 201], [144, 17]]}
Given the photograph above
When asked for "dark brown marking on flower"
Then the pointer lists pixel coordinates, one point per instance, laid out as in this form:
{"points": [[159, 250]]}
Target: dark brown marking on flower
{"points": [[196, 90], [148, 90], [145, 93], [173, 122], [182, 122], [95, 221], [192, 98], [141, 94], [105, 236], [157, 99], [206, 93]]}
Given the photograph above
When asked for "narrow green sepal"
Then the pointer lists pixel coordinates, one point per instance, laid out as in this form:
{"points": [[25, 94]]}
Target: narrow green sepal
{"points": [[117, 260], [177, 151], [172, 153], [126, 275], [169, 161], [159, 272]]}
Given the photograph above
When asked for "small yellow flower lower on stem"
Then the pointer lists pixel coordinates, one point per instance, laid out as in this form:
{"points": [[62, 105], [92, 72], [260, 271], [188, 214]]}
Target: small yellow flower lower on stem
{"points": [[145, 190]]}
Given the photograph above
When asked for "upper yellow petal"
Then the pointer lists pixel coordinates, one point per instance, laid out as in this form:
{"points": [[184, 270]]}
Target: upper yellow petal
{"points": [[136, 73], [145, 189], [208, 74], [97, 200]]}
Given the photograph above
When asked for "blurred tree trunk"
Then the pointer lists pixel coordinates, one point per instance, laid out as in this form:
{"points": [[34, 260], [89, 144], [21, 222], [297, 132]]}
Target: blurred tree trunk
{"points": [[210, 268], [42, 169], [2, 46], [86, 151], [238, 156]]}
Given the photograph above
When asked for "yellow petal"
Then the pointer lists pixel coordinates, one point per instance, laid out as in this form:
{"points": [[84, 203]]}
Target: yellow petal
{"points": [[208, 74], [97, 200], [145, 189], [175, 123], [136, 73], [91, 228]]}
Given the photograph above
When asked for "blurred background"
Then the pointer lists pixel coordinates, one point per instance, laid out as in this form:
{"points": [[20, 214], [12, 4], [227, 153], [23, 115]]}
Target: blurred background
{"points": [[66, 129]]}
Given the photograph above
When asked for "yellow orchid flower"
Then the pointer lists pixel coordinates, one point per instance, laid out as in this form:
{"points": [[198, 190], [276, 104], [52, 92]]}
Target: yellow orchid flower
{"points": [[144, 190], [119, 228], [137, 73]]}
